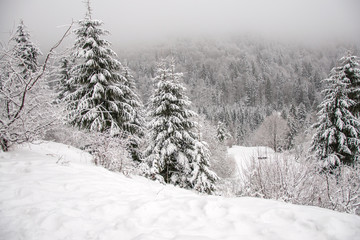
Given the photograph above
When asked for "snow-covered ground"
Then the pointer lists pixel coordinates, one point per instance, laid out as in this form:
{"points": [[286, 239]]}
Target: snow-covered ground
{"points": [[243, 156], [52, 191]]}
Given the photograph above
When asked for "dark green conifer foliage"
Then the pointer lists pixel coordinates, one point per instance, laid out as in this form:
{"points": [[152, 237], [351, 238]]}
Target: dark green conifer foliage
{"points": [[350, 69], [174, 154], [103, 100], [337, 137], [293, 124], [26, 52]]}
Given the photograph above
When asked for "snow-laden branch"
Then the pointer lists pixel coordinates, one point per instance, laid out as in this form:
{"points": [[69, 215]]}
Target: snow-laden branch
{"points": [[22, 97]]}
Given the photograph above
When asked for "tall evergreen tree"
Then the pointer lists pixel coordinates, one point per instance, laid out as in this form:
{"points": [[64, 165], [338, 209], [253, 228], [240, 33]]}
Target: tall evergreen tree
{"points": [[201, 177], [301, 115], [171, 130], [63, 76], [26, 52], [268, 92], [102, 100], [350, 69], [174, 154], [137, 131], [293, 124], [337, 137], [16, 74], [221, 132]]}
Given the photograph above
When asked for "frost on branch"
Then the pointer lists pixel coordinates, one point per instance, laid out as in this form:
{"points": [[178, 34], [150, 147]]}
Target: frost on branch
{"points": [[302, 182], [26, 110]]}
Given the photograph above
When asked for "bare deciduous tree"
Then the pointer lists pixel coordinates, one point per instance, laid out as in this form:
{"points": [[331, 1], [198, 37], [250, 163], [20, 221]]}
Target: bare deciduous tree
{"points": [[272, 132]]}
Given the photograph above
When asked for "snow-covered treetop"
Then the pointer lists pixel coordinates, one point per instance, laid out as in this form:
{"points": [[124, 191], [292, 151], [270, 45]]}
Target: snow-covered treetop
{"points": [[103, 99], [96, 53], [349, 70], [169, 98], [344, 81], [128, 77], [337, 139], [221, 132], [22, 35], [26, 51], [89, 44]]}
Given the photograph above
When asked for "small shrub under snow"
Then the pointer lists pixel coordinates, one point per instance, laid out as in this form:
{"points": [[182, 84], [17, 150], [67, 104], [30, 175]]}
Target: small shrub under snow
{"points": [[300, 182]]}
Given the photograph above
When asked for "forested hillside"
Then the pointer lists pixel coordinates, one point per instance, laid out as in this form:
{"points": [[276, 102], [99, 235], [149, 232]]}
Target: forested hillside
{"points": [[241, 80], [188, 94]]}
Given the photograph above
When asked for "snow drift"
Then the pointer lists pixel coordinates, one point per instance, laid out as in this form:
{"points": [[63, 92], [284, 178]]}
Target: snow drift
{"points": [[52, 191]]}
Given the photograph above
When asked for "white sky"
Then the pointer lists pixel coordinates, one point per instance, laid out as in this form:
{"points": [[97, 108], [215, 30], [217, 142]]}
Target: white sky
{"points": [[149, 20]]}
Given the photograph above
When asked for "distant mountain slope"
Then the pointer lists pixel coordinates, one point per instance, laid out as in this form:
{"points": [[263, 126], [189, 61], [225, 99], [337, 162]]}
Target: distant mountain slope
{"points": [[241, 80]]}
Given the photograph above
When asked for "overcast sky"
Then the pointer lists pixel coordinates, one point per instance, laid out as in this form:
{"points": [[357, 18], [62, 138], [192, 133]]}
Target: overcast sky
{"points": [[140, 21]]}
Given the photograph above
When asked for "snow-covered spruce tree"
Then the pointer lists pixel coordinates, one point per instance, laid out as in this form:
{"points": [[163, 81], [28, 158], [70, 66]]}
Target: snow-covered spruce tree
{"points": [[293, 125], [301, 115], [202, 178], [337, 137], [25, 51], [137, 131], [18, 66], [102, 100], [174, 154], [221, 132], [62, 78], [350, 69], [172, 139]]}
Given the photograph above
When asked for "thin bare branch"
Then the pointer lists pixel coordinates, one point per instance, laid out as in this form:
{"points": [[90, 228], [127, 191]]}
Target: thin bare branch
{"points": [[31, 83]]}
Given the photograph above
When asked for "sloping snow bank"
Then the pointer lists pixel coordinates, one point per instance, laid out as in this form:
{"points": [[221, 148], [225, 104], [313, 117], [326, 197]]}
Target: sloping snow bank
{"points": [[42, 197], [243, 156]]}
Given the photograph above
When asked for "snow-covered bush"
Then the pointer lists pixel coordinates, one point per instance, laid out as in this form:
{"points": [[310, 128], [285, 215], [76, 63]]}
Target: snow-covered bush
{"points": [[109, 151], [302, 182]]}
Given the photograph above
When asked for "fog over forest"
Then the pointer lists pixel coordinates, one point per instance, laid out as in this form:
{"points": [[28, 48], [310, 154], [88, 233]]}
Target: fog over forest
{"points": [[242, 59], [142, 22]]}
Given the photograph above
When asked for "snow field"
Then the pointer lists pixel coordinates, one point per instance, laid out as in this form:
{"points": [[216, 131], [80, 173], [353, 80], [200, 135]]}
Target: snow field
{"points": [[243, 156], [42, 197]]}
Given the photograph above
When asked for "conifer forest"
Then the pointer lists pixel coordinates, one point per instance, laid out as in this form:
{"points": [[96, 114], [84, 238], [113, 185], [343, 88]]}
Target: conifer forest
{"points": [[184, 111]]}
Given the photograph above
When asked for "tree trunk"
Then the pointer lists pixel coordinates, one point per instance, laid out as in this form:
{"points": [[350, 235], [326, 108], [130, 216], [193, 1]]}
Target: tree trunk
{"points": [[4, 144]]}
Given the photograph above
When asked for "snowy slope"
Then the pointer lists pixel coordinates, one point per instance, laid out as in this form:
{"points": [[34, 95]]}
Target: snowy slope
{"points": [[44, 196], [243, 156]]}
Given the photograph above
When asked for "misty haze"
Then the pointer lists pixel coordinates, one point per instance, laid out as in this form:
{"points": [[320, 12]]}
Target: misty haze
{"points": [[179, 119], [141, 21]]}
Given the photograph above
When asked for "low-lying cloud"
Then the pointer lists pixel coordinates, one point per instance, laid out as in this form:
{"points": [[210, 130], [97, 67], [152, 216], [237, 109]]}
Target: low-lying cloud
{"points": [[139, 21]]}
